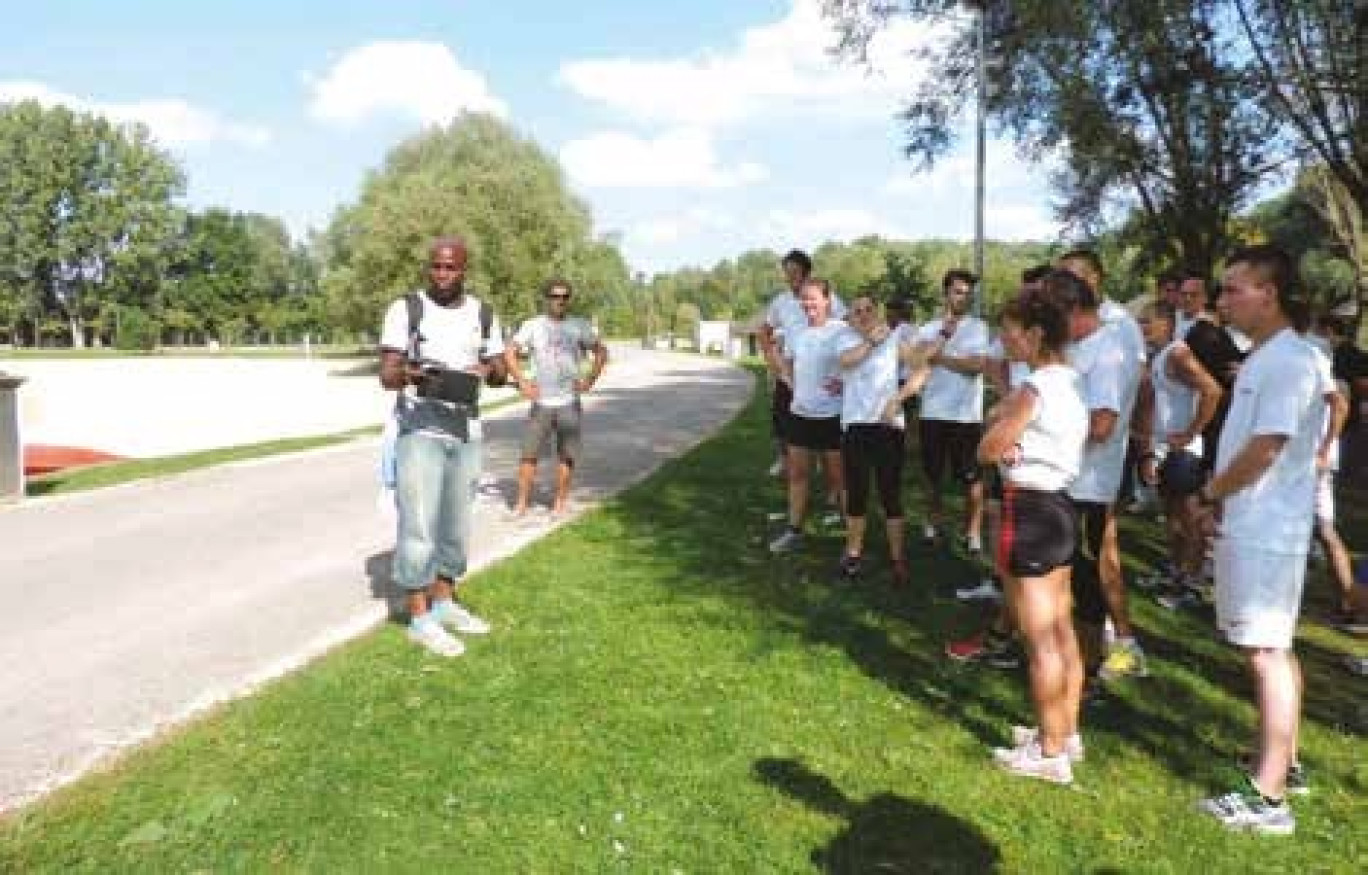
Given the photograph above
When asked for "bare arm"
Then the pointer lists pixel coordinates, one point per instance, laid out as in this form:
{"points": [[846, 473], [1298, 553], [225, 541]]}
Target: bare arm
{"points": [[395, 371], [1190, 373], [968, 365], [1101, 424], [770, 349], [600, 353], [1339, 415], [1249, 464], [1014, 414], [513, 361]]}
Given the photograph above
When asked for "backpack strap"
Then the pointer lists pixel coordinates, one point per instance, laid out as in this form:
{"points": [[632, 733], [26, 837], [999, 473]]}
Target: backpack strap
{"points": [[414, 305]]}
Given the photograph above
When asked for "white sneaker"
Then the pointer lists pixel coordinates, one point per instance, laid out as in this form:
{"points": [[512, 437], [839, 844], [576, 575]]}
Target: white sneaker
{"points": [[430, 634], [928, 534], [458, 619], [973, 543], [832, 519], [789, 541], [985, 591], [1073, 746], [777, 469], [1028, 762]]}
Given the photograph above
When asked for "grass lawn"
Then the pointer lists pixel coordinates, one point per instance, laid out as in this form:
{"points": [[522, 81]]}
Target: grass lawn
{"points": [[659, 695]]}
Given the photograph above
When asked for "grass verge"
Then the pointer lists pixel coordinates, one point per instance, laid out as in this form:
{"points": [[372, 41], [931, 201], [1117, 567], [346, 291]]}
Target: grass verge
{"points": [[659, 695]]}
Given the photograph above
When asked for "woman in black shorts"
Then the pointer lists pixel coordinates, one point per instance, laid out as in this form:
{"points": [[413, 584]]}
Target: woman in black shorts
{"points": [[1036, 440]]}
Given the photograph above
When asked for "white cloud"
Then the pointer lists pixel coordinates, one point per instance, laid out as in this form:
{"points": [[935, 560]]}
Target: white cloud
{"points": [[420, 80], [172, 122], [808, 228], [782, 68], [675, 228], [681, 158]]}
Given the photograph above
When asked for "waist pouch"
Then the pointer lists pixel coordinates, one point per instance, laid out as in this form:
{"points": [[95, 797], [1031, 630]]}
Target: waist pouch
{"points": [[453, 387]]}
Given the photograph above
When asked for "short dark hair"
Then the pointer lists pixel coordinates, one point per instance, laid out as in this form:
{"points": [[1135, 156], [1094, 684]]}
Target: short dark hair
{"points": [[557, 283], [1277, 268], [958, 274], [799, 258], [1195, 274], [1033, 275], [1169, 277], [1088, 257], [1163, 310], [901, 303], [1070, 291]]}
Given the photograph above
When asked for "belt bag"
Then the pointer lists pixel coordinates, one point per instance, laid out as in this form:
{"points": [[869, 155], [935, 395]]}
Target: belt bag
{"points": [[453, 387]]}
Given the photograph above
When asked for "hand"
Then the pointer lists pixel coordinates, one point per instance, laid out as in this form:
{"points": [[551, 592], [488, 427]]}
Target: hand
{"points": [[529, 390], [833, 385], [1323, 460], [877, 333], [413, 373], [582, 385], [1149, 471], [1012, 457], [892, 410]]}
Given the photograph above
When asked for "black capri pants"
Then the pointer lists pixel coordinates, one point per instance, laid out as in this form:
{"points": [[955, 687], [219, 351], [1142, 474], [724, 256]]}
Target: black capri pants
{"points": [[878, 449], [1090, 603]]}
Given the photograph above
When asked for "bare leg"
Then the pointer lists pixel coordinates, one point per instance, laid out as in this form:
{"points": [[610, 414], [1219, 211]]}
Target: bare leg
{"points": [[896, 533], [527, 472], [973, 503], [855, 533], [799, 462], [1277, 677], [1042, 606], [564, 474], [835, 478], [1338, 557], [1113, 583]]}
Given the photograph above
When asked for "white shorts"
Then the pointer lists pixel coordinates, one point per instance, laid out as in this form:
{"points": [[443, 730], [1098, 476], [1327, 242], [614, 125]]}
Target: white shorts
{"points": [[1258, 594], [1325, 497]]}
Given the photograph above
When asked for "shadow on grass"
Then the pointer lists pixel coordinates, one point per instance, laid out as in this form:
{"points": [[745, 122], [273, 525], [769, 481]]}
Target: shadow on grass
{"points": [[884, 833], [707, 527]]}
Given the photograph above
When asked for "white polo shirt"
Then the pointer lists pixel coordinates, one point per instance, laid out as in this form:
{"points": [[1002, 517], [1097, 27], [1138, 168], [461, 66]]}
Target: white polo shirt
{"points": [[1277, 392]]}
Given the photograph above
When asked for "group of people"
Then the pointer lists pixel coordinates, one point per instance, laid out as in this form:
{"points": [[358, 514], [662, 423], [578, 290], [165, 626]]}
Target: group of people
{"points": [[1233, 415]]}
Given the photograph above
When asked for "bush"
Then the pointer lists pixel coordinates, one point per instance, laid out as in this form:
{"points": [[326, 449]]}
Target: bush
{"points": [[136, 330]]}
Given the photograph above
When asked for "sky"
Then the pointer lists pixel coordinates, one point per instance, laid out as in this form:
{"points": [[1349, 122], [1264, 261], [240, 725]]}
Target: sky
{"points": [[694, 130]]}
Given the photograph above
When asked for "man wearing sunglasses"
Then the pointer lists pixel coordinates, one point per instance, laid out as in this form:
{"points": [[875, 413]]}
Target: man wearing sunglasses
{"points": [[557, 344], [435, 351]]}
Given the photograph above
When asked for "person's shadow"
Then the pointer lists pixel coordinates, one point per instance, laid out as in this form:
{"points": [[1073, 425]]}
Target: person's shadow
{"points": [[885, 833], [382, 585]]}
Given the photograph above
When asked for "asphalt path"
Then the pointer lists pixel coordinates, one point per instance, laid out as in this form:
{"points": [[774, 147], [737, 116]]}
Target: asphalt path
{"points": [[127, 610]]}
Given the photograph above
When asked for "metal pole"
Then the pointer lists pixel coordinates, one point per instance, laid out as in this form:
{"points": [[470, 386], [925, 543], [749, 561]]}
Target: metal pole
{"points": [[981, 145]]}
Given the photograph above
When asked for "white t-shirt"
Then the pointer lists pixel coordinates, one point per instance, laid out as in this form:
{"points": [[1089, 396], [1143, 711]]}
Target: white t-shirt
{"points": [[449, 336], [1112, 313], [785, 315], [1051, 448], [816, 369], [1277, 392], [557, 348], [1175, 403], [1325, 385], [904, 334], [869, 386], [1017, 372], [948, 395], [1111, 377]]}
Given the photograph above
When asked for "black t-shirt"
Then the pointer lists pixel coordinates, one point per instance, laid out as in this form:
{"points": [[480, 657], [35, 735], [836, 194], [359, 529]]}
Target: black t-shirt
{"points": [[1350, 364], [1212, 346]]}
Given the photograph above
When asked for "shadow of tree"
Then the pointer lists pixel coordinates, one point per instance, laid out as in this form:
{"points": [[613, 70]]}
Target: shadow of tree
{"points": [[884, 833]]}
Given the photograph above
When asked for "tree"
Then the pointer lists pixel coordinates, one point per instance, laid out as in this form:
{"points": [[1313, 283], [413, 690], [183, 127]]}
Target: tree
{"points": [[474, 177], [88, 214], [1145, 105]]}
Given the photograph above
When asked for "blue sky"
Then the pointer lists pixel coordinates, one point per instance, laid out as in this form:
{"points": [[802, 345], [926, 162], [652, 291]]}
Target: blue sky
{"points": [[694, 130]]}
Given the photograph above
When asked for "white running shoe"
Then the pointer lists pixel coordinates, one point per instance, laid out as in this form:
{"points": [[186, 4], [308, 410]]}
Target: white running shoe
{"points": [[457, 618], [929, 534], [430, 634], [985, 591], [1028, 762], [777, 469], [1073, 747], [973, 543]]}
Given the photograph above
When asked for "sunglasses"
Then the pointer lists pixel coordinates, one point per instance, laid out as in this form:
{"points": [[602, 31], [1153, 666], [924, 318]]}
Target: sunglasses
{"points": [[557, 296], [444, 265]]}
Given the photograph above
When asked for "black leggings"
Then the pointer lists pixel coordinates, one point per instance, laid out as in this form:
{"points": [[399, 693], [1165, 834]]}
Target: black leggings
{"points": [[876, 448]]}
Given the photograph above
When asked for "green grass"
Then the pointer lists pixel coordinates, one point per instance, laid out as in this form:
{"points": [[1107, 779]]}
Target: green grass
{"points": [[660, 696], [115, 473]]}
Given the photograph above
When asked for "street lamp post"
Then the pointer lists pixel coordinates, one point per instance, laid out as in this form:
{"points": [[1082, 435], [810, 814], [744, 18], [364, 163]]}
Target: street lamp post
{"points": [[980, 147]]}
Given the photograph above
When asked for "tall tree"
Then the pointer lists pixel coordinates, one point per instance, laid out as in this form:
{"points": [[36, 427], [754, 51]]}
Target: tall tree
{"points": [[88, 213], [474, 177], [1144, 105]]}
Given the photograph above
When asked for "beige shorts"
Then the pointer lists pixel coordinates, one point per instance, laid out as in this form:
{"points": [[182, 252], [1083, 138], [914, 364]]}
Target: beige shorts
{"points": [[1258, 594]]}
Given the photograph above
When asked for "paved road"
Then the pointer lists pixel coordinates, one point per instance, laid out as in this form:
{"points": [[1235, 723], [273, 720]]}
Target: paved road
{"points": [[126, 610]]}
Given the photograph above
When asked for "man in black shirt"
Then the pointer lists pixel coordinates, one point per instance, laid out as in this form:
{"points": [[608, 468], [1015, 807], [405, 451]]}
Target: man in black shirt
{"points": [[1349, 364], [1215, 351]]}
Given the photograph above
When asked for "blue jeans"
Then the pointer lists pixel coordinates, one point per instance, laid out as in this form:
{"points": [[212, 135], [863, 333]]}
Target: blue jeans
{"points": [[435, 494]]}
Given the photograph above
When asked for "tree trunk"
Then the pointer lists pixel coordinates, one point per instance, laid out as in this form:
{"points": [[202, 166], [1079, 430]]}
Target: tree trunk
{"points": [[77, 332]]}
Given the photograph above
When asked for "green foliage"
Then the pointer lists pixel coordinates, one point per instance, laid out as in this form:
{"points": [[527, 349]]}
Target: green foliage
{"points": [[476, 178], [136, 330], [88, 215]]}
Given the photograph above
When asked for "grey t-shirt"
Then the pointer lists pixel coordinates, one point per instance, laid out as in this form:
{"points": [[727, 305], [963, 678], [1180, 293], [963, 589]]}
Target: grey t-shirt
{"points": [[557, 348]]}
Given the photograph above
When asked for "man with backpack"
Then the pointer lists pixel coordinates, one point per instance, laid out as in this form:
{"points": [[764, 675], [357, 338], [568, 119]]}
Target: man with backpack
{"points": [[437, 346]]}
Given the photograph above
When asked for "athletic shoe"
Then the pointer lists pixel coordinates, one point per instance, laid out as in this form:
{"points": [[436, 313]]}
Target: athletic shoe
{"points": [[1297, 785], [777, 516], [430, 634], [929, 534], [1357, 665], [849, 568], [996, 650], [1028, 762], [985, 591], [789, 541], [1073, 747], [832, 519], [457, 618], [973, 544], [777, 469], [1250, 812], [967, 649], [1124, 659]]}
